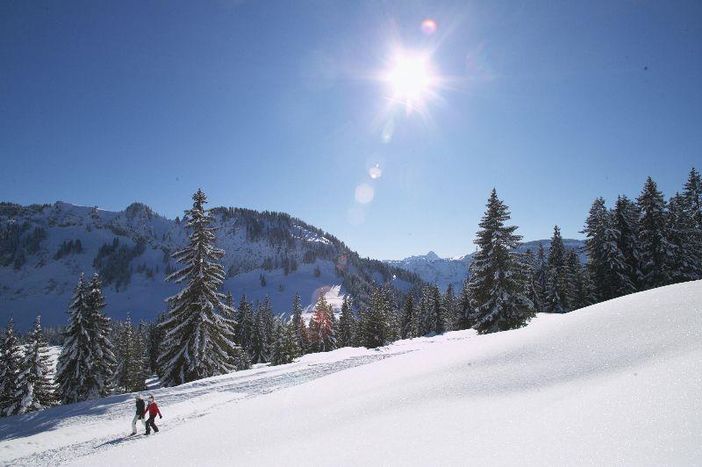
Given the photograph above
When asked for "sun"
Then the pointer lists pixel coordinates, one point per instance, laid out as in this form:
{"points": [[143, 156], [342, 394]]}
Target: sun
{"points": [[410, 78]]}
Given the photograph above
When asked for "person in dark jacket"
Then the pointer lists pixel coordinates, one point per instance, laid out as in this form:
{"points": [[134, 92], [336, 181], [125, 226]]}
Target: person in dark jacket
{"points": [[139, 413], [152, 410]]}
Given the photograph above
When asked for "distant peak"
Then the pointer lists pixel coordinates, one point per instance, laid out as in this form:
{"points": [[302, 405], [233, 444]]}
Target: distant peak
{"points": [[431, 256]]}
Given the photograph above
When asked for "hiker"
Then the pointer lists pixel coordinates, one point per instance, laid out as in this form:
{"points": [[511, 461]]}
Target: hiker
{"points": [[139, 413], [153, 410]]}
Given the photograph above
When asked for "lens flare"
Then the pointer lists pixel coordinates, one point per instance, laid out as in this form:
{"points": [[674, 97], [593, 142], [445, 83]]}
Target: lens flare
{"points": [[375, 172], [364, 193], [429, 27]]}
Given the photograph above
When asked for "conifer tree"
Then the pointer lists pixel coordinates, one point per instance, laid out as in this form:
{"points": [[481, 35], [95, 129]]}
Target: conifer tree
{"points": [[528, 263], [76, 358], [10, 366], [655, 248], [375, 324], [299, 326], [685, 240], [497, 296], [426, 315], [346, 324], [322, 332], [692, 193], [606, 262], [450, 309], [259, 345], [129, 373], [556, 284], [625, 218], [285, 348], [466, 318], [244, 326], [198, 340], [36, 387], [438, 311], [540, 271], [103, 360], [409, 319]]}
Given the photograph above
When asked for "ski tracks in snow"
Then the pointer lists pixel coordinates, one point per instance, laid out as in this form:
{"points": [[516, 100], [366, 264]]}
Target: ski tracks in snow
{"points": [[197, 397]]}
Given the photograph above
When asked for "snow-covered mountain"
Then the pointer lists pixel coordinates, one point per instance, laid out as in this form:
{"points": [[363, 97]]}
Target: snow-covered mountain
{"points": [[613, 383], [444, 271], [44, 249]]}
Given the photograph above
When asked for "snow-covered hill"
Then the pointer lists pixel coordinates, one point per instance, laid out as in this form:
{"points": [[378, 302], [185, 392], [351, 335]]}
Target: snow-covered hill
{"points": [[444, 271], [616, 383], [44, 248]]}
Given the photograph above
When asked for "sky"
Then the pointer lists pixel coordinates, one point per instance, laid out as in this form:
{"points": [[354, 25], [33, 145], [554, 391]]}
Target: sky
{"points": [[286, 106]]}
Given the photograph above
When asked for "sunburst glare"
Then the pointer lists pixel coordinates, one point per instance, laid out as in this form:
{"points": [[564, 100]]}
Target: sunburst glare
{"points": [[411, 79]]}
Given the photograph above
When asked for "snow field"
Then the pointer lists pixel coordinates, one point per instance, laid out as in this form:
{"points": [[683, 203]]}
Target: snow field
{"points": [[614, 383]]}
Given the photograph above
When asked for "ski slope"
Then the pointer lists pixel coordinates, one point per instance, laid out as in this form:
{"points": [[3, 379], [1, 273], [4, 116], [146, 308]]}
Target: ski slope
{"points": [[615, 383]]}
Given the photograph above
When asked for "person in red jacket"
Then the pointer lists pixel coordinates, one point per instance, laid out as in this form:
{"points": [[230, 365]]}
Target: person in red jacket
{"points": [[152, 410]]}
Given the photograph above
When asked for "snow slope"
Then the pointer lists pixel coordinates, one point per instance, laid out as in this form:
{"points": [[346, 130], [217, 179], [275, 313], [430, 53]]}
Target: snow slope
{"points": [[614, 383]]}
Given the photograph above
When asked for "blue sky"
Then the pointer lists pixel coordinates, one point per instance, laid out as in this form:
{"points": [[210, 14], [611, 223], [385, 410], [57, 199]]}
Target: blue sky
{"points": [[275, 105]]}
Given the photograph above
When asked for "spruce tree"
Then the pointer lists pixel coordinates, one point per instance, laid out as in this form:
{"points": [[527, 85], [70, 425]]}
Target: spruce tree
{"points": [[76, 358], [497, 295], [438, 311], [346, 324], [322, 332], [556, 281], [449, 303], [10, 367], [285, 348], [198, 340], [655, 248], [625, 217], [36, 387], [685, 240], [375, 324], [259, 345], [299, 325], [103, 360], [244, 326], [466, 318], [692, 193], [540, 271], [606, 262], [408, 328]]}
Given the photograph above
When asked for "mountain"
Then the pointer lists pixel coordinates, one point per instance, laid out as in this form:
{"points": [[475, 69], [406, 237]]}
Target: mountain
{"points": [[617, 383], [45, 248], [444, 271]]}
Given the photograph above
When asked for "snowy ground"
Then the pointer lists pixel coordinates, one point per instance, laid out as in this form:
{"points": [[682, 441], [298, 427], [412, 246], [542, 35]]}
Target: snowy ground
{"points": [[616, 383]]}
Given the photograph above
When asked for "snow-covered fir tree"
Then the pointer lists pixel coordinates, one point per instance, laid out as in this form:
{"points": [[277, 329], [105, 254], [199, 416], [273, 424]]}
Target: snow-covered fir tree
{"points": [[556, 300], [625, 217], [408, 324], [347, 324], [374, 326], [10, 367], [322, 332], [285, 348], [198, 340], [244, 325], [103, 360], [426, 315], [685, 240], [497, 296], [607, 265], [466, 319], [540, 278], [528, 262], [299, 326], [36, 386], [449, 304], [76, 359], [656, 251], [438, 311], [259, 352], [692, 193], [129, 373]]}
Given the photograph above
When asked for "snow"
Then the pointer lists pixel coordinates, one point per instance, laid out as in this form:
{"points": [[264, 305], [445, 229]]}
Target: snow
{"points": [[614, 383]]}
